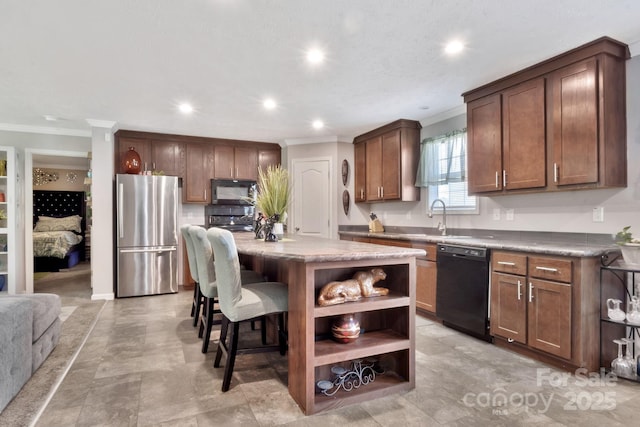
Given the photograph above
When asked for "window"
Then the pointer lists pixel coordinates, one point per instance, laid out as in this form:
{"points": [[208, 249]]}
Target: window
{"points": [[443, 170]]}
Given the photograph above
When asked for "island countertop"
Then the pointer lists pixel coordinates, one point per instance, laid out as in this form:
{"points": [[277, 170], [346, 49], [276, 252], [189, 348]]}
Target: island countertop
{"points": [[317, 249]]}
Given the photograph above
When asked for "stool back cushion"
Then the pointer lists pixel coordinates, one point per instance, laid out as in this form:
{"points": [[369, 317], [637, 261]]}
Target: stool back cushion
{"points": [[204, 261], [191, 254], [227, 266]]}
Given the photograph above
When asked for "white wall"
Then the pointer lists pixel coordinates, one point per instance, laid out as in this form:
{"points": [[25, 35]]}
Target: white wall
{"points": [[567, 211]]}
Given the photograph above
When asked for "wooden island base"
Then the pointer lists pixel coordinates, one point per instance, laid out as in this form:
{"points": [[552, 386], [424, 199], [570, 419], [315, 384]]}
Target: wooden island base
{"points": [[387, 322]]}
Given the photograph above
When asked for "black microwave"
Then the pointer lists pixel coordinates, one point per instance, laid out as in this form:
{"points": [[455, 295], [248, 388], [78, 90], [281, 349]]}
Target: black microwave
{"points": [[232, 191]]}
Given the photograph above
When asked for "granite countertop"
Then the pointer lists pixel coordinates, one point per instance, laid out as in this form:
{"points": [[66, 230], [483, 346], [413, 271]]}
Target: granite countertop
{"points": [[316, 249], [512, 242]]}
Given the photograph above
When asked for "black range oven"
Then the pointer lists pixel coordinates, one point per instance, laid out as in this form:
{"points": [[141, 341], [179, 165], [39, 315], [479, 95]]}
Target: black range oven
{"points": [[231, 217]]}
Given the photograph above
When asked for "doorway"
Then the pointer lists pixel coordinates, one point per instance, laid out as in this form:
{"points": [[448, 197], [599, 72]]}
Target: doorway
{"points": [[67, 171], [312, 196]]}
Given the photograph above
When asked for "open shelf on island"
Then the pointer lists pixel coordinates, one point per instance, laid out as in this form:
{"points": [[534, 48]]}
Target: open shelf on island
{"points": [[375, 342], [392, 300]]}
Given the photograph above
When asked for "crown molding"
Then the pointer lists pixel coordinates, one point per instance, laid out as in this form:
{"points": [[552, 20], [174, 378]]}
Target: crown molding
{"points": [[10, 127], [105, 124]]}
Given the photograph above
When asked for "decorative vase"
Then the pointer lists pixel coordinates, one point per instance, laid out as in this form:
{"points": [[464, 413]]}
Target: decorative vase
{"points": [[345, 328], [132, 162]]}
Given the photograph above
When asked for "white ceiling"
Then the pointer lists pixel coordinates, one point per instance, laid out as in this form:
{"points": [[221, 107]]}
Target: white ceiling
{"points": [[132, 62]]}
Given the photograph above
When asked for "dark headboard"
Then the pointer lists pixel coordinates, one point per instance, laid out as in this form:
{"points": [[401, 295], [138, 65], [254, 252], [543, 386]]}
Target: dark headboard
{"points": [[59, 204]]}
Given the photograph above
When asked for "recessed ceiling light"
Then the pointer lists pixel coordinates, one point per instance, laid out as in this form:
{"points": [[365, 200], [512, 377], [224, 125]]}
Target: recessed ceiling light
{"points": [[454, 47], [317, 124], [185, 108], [315, 56], [269, 104], [50, 118]]}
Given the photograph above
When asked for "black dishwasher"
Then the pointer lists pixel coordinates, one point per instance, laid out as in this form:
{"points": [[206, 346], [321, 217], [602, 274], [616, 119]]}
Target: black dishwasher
{"points": [[462, 291]]}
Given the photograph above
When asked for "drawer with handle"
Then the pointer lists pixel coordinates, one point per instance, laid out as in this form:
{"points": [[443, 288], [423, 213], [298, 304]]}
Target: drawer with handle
{"points": [[556, 269], [507, 262]]}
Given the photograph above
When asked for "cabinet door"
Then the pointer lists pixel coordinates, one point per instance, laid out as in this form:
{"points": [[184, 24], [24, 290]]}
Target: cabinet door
{"points": [[360, 177], [141, 146], [574, 97], [198, 174], [246, 163], [523, 133], [509, 307], [374, 169], [484, 144], [550, 317], [167, 156], [268, 158], [224, 162], [390, 164], [426, 278]]}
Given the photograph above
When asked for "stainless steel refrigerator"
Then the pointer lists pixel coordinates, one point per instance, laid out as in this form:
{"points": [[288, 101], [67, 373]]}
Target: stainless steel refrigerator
{"points": [[146, 235]]}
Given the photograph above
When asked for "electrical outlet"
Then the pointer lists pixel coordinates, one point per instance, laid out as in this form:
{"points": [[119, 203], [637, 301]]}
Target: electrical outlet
{"points": [[509, 214], [496, 214], [598, 214]]}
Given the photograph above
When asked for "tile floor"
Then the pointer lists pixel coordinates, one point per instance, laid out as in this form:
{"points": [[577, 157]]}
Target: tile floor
{"points": [[142, 366]]}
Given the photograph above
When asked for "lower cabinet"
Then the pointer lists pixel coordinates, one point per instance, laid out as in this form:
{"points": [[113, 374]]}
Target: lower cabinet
{"points": [[426, 269], [529, 309]]}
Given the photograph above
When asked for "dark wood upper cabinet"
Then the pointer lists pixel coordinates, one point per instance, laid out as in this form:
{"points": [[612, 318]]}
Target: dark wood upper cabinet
{"points": [[574, 112], [199, 171], [167, 156], [386, 162], [360, 181], [558, 125], [484, 144], [268, 157], [236, 162], [524, 136], [195, 159]]}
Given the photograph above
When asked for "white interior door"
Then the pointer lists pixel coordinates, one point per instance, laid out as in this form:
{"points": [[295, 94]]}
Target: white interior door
{"points": [[311, 198]]}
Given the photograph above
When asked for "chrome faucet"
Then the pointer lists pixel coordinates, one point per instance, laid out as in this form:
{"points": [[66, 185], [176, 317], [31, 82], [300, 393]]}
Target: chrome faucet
{"points": [[442, 226]]}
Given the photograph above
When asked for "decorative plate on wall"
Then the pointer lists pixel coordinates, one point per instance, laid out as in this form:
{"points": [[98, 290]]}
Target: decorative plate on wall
{"points": [[345, 201], [345, 171]]}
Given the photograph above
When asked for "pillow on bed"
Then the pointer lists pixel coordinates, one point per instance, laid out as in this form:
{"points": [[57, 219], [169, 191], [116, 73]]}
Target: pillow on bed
{"points": [[70, 223]]}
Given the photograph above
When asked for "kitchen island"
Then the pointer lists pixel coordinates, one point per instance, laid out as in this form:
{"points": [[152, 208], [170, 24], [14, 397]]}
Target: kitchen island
{"points": [[387, 323]]}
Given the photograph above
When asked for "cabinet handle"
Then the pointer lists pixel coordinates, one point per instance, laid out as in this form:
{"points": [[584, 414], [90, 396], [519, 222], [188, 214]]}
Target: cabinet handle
{"points": [[530, 292], [519, 290], [362, 193], [497, 180], [504, 178], [510, 264], [231, 171], [549, 269], [555, 172], [382, 192], [154, 165]]}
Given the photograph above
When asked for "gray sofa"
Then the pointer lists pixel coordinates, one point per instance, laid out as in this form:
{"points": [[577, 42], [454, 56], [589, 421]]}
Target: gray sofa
{"points": [[29, 331]]}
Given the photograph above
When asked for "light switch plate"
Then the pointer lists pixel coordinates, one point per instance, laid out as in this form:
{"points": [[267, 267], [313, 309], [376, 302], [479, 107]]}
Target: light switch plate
{"points": [[510, 214], [496, 214], [598, 214]]}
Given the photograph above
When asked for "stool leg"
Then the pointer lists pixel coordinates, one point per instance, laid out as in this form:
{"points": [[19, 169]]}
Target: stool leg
{"points": [[222, 342], [231, 356], [209, 323], [263, 329], [197, 303], [193, 304]]}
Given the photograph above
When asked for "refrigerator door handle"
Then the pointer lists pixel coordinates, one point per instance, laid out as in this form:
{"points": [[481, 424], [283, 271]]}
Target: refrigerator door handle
{"points": [[147, 250], [120, 210]]}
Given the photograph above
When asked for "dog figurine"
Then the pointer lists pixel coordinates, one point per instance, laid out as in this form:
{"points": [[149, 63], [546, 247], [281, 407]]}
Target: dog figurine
{"points": [[361, 285]]}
